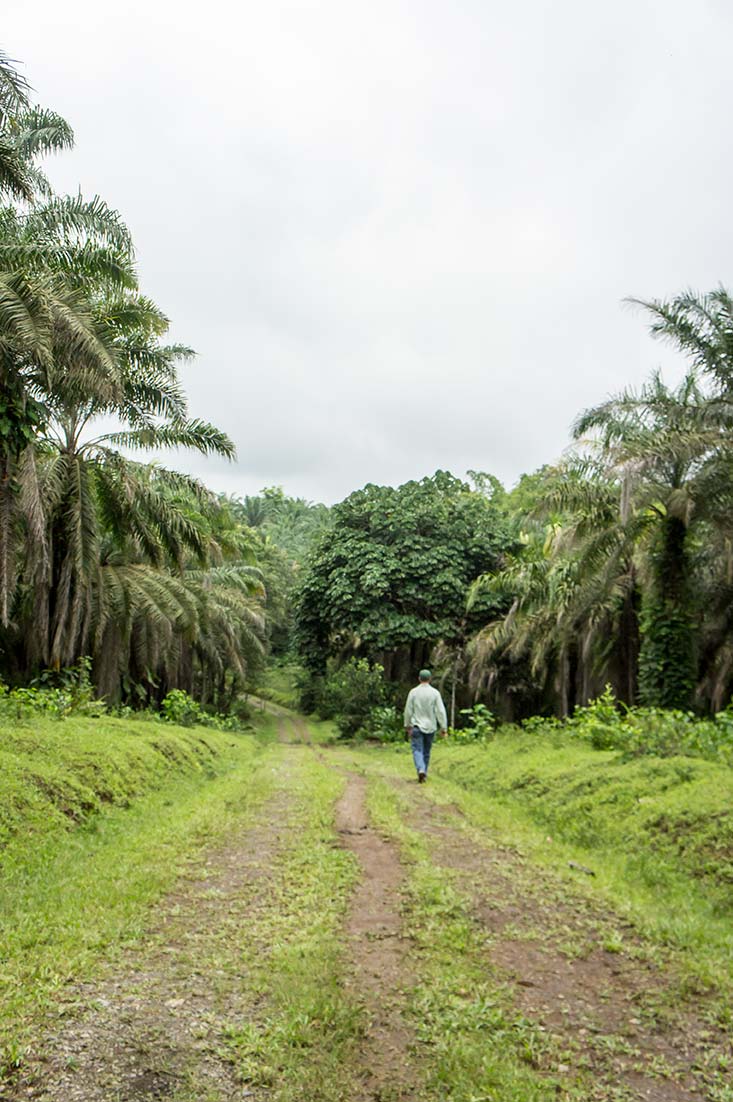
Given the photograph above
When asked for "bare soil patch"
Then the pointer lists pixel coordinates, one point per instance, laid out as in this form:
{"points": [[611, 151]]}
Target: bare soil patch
{"points": [[582, 973], [375, 949], [152, 1027]]}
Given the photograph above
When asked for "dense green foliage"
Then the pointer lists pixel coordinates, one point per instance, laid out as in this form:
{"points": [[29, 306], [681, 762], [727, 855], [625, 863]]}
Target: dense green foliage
{"points": [[661, 732], [352, 693], [135, 565], [390, 579], [625, 574], [285, 528], [292, 523], [614, 566]]}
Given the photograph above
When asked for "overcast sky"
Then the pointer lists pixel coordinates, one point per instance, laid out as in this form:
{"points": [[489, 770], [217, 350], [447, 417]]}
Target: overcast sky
{"points": [[398, 233]]}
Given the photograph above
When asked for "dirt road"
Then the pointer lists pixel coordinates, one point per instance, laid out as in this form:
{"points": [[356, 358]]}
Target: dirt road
{"points": [[363, 940]]}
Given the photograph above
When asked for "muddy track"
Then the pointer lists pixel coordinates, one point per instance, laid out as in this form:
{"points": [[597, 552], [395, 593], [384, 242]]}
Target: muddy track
{"points": [[152, 1027], [577, 970], [375, 950]]}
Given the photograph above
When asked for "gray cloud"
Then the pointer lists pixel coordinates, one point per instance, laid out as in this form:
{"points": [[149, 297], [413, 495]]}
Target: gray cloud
{"points": [[399, 234]]}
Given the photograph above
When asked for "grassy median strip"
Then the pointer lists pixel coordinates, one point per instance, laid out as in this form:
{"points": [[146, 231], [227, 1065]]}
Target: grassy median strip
{"points": [[69, 898], [300, 1045], [473, 1045]]}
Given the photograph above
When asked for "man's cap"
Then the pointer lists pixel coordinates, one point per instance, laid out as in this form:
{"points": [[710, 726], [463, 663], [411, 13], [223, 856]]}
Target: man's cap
{"points": [[425, 675]]}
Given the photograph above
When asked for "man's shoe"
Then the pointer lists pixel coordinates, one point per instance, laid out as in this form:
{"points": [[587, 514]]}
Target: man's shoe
{"points": [[422, 777]]}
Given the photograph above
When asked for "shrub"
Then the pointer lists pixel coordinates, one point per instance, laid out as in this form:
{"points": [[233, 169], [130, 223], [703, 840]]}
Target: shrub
{"points": [[383, 723], [661, 732], [75, 682], [25, 702], [602, 722], [478, 725], [55, 693], [350, 693], [180, 708]]}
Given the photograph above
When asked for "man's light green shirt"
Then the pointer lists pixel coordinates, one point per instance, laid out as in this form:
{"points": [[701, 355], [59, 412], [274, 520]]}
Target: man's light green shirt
{"points": [[425, 709]]}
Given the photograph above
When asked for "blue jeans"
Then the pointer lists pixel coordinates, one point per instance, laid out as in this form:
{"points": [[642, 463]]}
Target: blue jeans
{"points": [[421, 743]]}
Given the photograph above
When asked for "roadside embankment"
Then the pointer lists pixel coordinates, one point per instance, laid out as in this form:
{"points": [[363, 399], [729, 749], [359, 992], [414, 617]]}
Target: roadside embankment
{"points": [[55, 774], [98, 819], [675, 811], [651, 836]]}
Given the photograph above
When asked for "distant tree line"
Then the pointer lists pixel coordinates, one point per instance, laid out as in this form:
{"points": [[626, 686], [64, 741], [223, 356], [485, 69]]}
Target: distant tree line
{"points": [[613, 567]]}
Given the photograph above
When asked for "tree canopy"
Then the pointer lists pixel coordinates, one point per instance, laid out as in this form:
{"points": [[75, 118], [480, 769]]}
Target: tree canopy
{"points": [[391, 577]]}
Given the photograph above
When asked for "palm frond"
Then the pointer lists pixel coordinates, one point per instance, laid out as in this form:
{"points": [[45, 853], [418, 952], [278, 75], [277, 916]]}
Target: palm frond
{"points": [[196, 435], [39, 132]]}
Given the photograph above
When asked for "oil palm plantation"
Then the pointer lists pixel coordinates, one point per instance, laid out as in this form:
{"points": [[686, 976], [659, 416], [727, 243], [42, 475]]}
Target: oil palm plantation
{"points": [[102, 554], [671, 448], [572, 594], [54, 254]]}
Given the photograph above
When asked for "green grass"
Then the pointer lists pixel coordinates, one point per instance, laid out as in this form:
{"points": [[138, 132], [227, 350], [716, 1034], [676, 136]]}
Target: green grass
{"points": [[323, 731], [299, 1046], [679, 809], [474, 1047], [69, 898], [99, 818], [56, 774], [637, 824]]}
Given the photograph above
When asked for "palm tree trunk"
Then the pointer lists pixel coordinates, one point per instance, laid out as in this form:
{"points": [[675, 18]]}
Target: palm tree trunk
{"points": [[6, 540], [629, 647], [667, 663], [454, 679], [564, 683]]}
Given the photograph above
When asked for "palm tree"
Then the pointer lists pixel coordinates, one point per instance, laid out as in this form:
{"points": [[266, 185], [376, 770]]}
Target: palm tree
{"points": [[52, 251], [701, 327], [571, 592], [87, 487], [201, 629], [669, 448], [133, 563]]}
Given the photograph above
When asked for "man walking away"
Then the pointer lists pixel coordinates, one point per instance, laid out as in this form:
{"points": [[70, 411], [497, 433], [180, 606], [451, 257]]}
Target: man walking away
{"points": [[424, 715]]}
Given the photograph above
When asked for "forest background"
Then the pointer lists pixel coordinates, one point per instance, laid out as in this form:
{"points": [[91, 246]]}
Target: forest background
{"points": [[127, 581]]}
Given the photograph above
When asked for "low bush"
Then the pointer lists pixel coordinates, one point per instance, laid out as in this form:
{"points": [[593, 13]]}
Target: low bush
{"points": [[384, 724], [351, 693], [180, 708], [479, 724], [56, 693], [663, 733]]}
